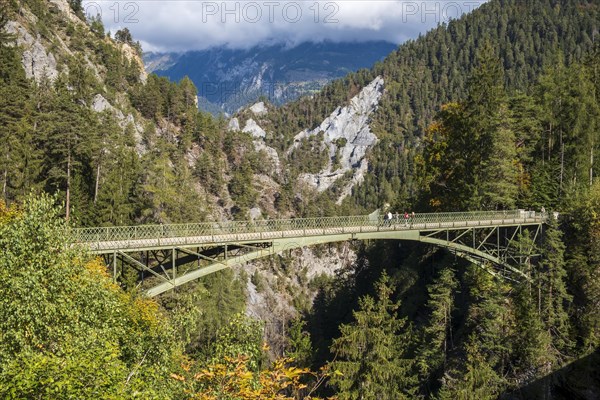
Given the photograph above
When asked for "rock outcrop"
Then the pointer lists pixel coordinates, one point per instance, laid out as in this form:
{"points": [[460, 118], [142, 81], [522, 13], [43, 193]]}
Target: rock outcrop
{"points": [[259, 145], [348, 136], [258, 133], [37, 62], [254, 129], [100, 104], [271, 290], [259, 108], [233, 125]]}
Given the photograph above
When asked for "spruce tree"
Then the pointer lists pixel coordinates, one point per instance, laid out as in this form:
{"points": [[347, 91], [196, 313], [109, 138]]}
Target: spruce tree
{"points": [[18, 156], [5, 14], [488, 347], [65, 128], [479, 380], [554, 300], [371, 360], [488, 118], [470, 159], [583, 242], [499, 175], [532, 342], [437, 333], [299, 346]]}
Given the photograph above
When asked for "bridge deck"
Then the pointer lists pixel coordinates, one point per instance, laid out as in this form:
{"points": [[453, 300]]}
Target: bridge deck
{"points": [[104, 240]]}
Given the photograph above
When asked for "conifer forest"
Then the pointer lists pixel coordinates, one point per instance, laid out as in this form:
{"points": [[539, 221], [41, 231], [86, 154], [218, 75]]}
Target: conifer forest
{"points": [[496, 110]]}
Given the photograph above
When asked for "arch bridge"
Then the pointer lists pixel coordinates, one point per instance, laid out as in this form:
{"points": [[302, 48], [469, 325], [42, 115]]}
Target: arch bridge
{"points": [[167, 256]]}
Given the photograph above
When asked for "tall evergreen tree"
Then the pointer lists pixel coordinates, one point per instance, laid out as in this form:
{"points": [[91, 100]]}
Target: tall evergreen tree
{"points": [[488, 118], [570, 117], [584, 260], [479, 379], [488, 347], [371, 360], [532, 342], [554, 300], [437, 333], [18, 157], [499, 175], [470, 159], [5, 14], [66, 126]]}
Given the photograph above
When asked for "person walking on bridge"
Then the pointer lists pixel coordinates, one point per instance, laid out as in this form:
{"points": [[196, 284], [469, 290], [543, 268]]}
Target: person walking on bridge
{"points": [[406, 218]]}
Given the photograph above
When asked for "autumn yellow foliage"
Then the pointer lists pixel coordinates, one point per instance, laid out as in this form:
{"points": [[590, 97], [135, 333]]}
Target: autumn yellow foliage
{"points": [[8, 213], [232, 380]]}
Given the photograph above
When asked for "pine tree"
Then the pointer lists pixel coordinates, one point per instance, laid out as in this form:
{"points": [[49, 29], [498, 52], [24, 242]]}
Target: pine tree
{"points": [[570, 116], [532, 342], [299, 346], [157, 193], [479, 380], [470, 160], [116, 202], [583, 241], [488, 118], [66, 125], [485, 91], [5, 14], [449, 159], [499, 175], [18, 157], [27, 162]]}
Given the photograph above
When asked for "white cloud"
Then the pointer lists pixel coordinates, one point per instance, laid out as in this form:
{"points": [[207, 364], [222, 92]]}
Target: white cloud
{"points": [[196, 25]]}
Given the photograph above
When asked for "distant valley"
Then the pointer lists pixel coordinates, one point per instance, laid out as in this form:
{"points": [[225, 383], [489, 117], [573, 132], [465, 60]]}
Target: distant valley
{"points": [[228, 79]]}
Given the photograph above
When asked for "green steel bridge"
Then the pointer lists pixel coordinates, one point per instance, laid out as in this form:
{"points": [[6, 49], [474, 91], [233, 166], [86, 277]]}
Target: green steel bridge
{"points": [[167, 256]]}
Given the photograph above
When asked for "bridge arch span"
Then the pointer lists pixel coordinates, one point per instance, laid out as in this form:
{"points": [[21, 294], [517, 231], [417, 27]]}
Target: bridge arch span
{"points": [[174, 255], [282, 245]]}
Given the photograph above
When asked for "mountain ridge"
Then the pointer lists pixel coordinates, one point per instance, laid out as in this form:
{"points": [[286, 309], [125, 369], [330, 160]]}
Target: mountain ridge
{"points": [[228, 79]]}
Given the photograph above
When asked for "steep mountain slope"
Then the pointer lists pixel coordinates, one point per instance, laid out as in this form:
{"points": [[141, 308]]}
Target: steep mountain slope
{"points": [[81, 118], [229, 79], [423, 74]]}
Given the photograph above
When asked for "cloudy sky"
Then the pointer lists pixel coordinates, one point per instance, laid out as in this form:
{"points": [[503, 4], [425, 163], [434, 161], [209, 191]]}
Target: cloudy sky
{"points": [[198, 24]]}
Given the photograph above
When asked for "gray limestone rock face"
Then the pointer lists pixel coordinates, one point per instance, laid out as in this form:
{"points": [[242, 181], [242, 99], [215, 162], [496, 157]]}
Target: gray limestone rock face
{"points": [[65, 9], [255, 213], [233, 125], [100, 104], [253, 129], [37, 63], [347, 134], [258, 134], [259, 108], [259, 145]]}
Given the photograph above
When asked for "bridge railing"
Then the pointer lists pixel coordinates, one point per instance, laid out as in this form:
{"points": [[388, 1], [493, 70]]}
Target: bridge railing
{"points": [[308, 226]]}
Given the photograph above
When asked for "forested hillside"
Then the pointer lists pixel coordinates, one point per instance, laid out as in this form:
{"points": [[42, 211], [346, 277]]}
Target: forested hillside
{"points": [[119, 147], [529, 38], [498, 109], [466, 123]]}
